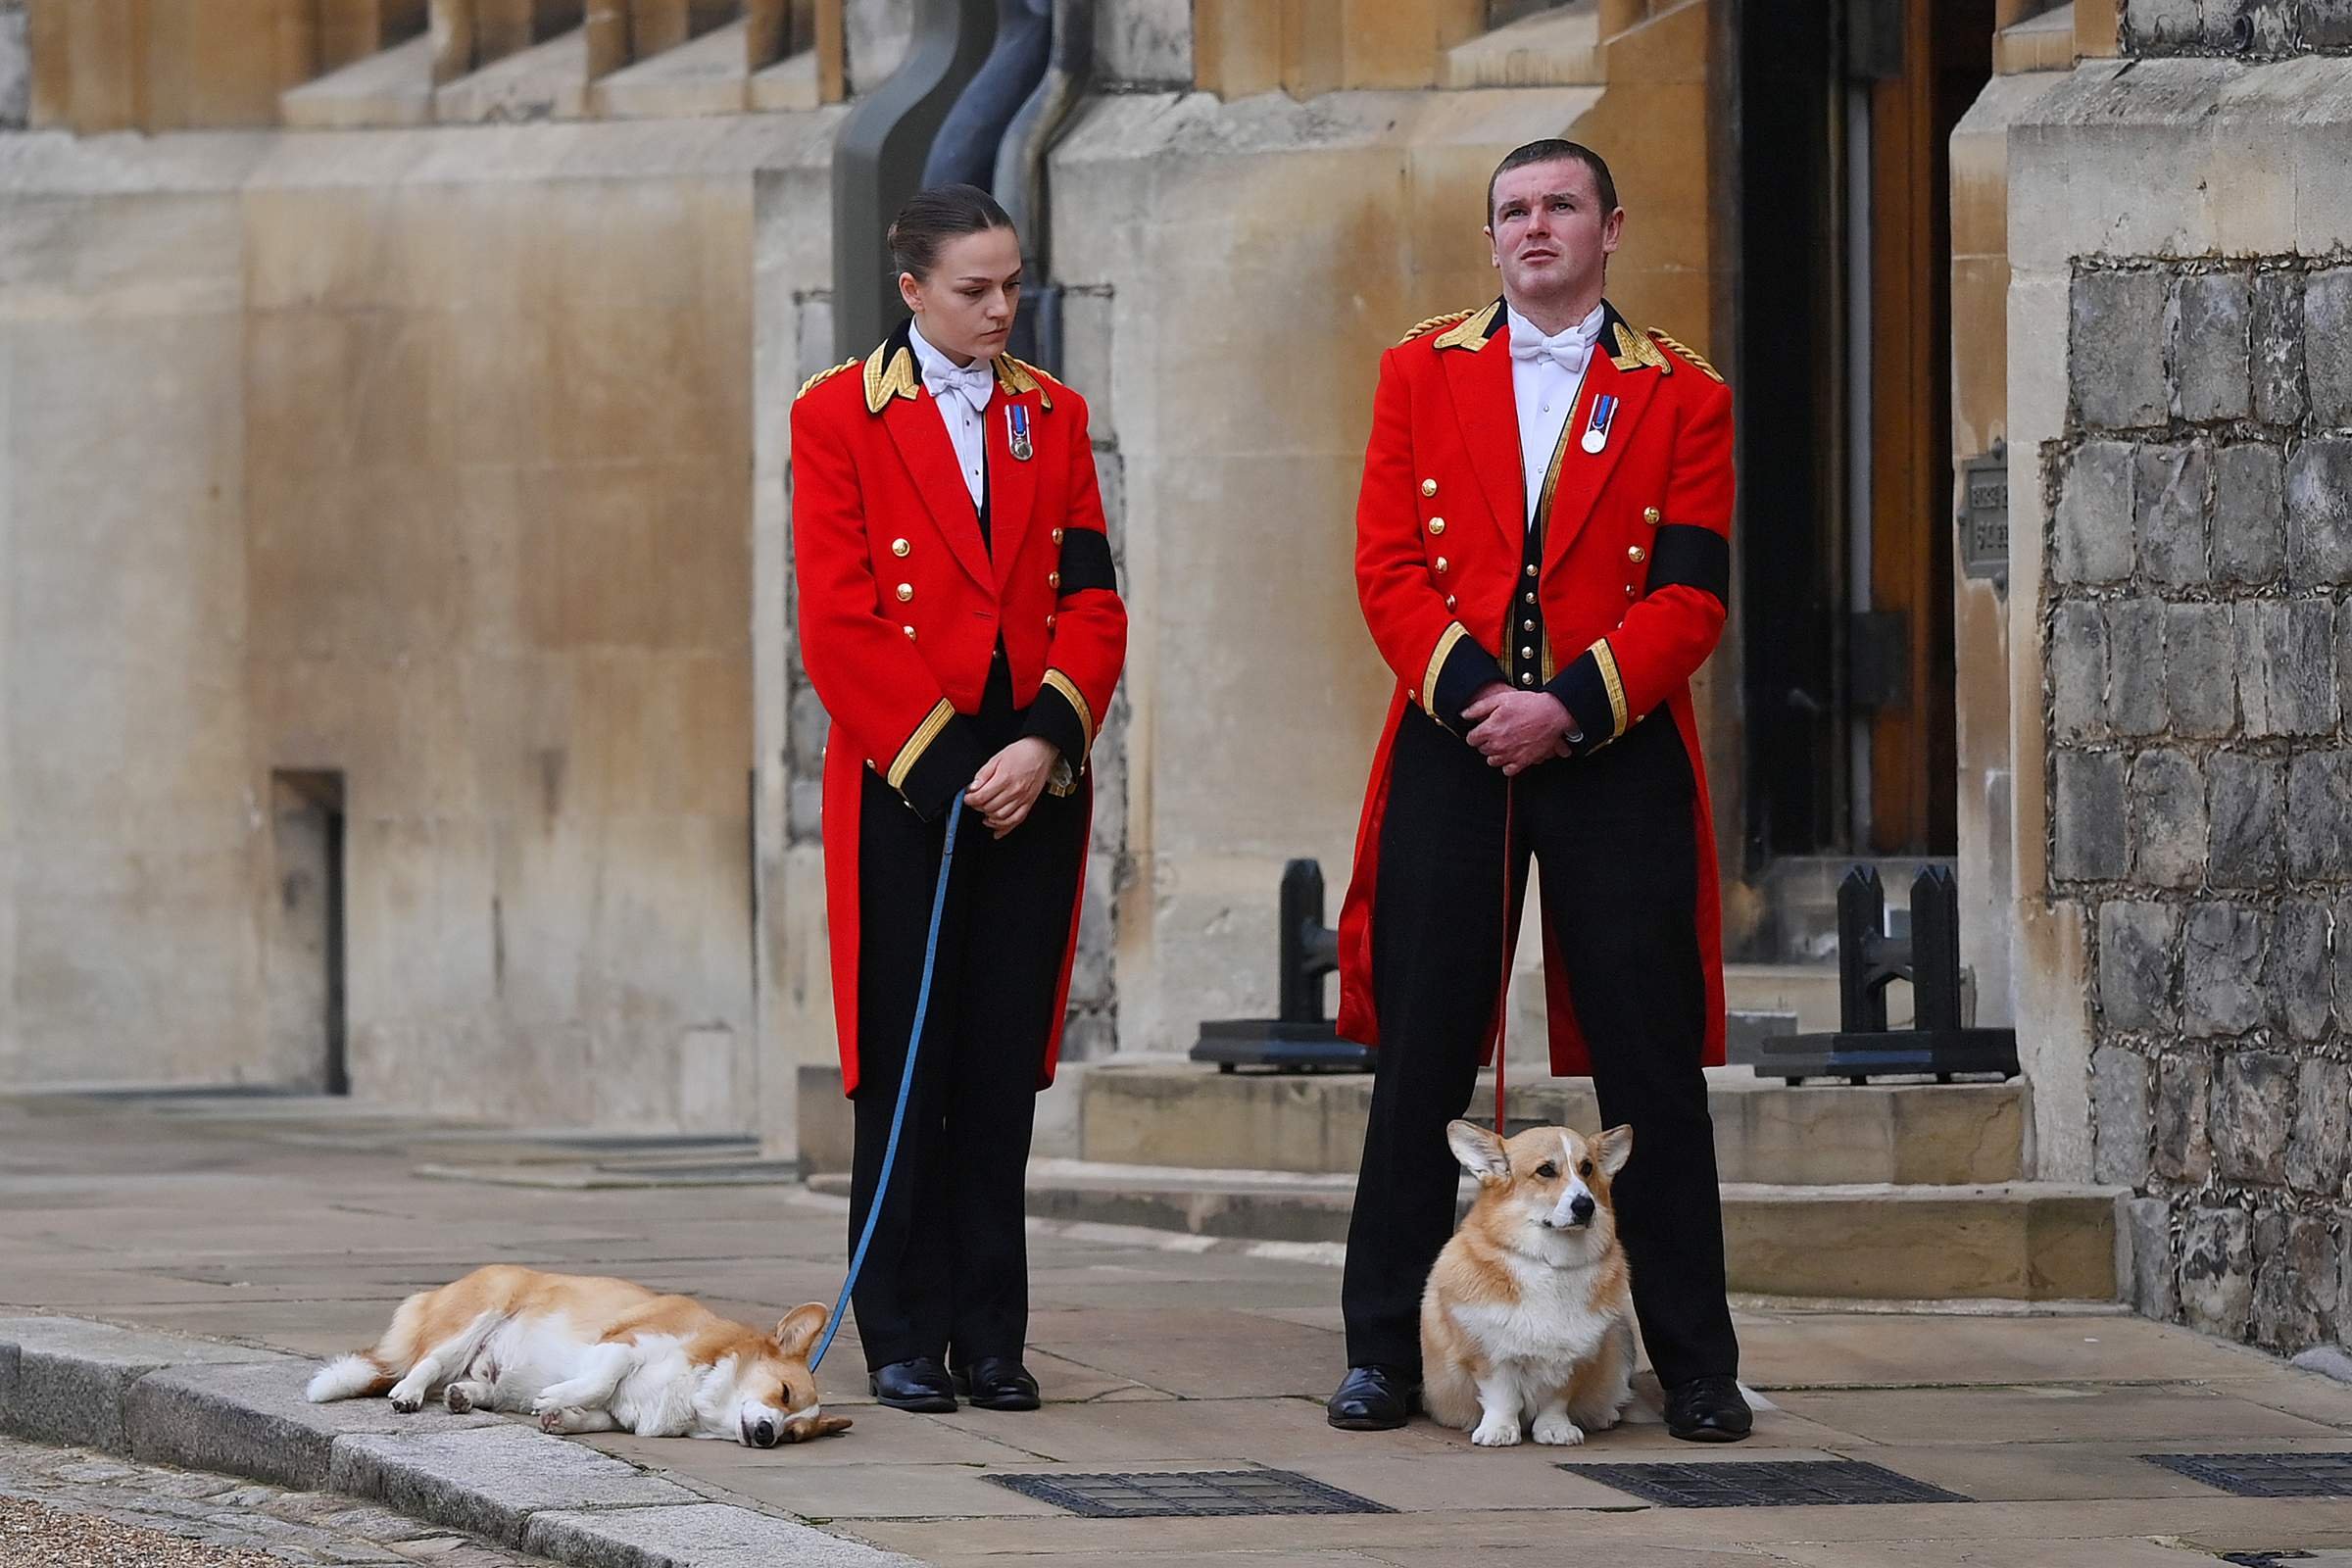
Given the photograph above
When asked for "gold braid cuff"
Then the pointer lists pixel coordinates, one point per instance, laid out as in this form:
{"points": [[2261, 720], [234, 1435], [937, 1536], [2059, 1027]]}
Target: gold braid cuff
{"points": [[1615, 684], [1077, 700], [1437, 665], [919, 742]]}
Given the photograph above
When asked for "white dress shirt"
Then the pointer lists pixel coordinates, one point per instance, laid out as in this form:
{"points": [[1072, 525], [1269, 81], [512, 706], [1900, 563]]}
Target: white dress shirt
{"points": [[963, 393], [1546, 374]]}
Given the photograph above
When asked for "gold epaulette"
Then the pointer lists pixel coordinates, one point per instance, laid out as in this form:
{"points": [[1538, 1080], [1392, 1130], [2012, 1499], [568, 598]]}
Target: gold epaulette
{"points": [[825, 374], [1449, 318], [1687, 353], [1018, 377]]}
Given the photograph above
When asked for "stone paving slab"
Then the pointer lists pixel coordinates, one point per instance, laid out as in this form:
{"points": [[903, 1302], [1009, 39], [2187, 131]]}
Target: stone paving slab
{"points": [[2052, 1413], [1815, 1350], [882, 1489], [703, 1535], [906, 1436], [252, 1420], [1157, 1353], [66, 1378], [2007, 1535], [1999, 1472], [491, 1481], [2103, 1553]]}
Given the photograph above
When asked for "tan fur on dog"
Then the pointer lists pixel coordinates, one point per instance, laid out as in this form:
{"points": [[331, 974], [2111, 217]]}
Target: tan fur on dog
{"points": [[1529, 1311], [590, 1354]]}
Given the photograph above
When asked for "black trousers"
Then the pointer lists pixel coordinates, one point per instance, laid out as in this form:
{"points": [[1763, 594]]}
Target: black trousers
{"points": [[948, 1272], [1614, 834]]}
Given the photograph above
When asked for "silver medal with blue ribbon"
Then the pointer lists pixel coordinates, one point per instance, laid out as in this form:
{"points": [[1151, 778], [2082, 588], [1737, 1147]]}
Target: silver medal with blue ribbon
{"points": [[1597, 428]]}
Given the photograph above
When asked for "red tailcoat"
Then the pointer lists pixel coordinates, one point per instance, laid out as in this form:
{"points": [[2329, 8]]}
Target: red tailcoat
{"points": [[903, 602], [1634, 582]]}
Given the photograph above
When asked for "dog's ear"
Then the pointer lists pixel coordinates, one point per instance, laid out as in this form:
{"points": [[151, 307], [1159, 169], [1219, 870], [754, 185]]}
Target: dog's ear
{"points": [[797, 1332], [1480, 1151], [808, 1428], [1612, 1148]]}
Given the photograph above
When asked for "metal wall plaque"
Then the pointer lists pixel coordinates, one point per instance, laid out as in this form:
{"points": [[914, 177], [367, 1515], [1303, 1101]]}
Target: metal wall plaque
{"points": [[1985, 513]]}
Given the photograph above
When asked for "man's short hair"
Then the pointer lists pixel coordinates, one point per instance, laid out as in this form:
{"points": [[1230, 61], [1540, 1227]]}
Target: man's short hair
{"points": [[1554, 150]]}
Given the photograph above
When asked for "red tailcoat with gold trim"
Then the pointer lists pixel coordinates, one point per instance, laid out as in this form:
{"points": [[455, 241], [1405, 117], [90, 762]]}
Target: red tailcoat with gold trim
{"points": [[903, 602], [1632, 585]]}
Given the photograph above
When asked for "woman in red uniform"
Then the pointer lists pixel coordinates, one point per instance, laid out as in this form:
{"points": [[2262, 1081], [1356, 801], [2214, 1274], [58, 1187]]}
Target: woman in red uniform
{"points": [[960, 620]]}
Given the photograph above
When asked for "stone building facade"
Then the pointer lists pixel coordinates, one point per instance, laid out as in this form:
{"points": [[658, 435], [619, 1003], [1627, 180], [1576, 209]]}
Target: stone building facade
{"points": [[394, 484], [2179, 641], [394, 489]]}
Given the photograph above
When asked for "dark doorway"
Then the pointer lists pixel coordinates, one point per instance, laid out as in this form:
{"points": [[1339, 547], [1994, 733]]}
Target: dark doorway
{"points": [[305, 943], [1790, 341], [1843, 308]]}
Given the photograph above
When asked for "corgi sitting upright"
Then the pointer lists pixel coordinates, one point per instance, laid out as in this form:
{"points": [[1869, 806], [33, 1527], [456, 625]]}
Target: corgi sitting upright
{"points": [[1530, 1309]]}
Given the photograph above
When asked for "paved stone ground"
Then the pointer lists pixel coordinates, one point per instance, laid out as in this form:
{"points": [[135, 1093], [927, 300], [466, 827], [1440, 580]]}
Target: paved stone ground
{"points": [[74, 1508], [297, 1225]]}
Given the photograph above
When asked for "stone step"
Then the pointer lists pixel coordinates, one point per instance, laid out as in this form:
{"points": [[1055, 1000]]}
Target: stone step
{"points": [[1184, 1114], [2005, 1241], [1808, 991]]}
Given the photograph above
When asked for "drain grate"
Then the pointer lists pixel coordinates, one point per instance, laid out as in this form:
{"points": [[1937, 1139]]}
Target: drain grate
{"points": [[1763, 1484], [1187, 1494], [2265, 1475]]}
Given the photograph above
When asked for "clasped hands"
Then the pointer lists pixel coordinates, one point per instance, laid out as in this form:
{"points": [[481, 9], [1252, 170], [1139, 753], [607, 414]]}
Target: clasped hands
{"points": [[1009, 783], [1516, 730]]}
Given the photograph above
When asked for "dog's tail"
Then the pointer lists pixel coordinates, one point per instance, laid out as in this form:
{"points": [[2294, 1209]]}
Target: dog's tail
{"points": [[349, 1377]]}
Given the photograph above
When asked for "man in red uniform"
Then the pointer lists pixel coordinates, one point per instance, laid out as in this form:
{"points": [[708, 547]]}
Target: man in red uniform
{"points": [[1543, 556]]}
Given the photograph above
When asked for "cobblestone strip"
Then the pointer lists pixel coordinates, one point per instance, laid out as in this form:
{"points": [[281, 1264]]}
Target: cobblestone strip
{"points": [[239, 1410]]}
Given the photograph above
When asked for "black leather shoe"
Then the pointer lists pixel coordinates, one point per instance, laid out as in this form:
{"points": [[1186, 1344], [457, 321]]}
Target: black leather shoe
{"points": [[921, 1384], [1372, 1398], [1708, 1411], [998, 1383]]}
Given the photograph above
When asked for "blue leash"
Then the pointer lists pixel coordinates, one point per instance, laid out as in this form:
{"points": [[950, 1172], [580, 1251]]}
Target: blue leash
{"points": [[898, 1116]]}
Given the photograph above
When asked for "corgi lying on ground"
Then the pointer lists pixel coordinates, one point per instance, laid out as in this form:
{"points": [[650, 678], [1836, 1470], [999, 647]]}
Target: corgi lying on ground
{"points": [[1530, 1307], [592, 1355]]}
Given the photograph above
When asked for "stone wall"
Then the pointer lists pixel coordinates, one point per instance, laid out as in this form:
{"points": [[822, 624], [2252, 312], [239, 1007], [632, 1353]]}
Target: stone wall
{"points": [[16, 66], [2244, 30], [426, 459], [2199, 651]]}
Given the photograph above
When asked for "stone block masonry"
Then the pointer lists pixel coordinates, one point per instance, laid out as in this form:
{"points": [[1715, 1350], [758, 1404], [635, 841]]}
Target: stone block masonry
{"points": [[2197, 627]]}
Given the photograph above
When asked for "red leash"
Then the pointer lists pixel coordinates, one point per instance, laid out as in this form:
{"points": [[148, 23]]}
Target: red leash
{"points": [[1503, 999]]}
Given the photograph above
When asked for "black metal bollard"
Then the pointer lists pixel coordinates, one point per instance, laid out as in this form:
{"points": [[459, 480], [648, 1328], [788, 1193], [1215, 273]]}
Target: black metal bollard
{"points": [[1305, 951]]}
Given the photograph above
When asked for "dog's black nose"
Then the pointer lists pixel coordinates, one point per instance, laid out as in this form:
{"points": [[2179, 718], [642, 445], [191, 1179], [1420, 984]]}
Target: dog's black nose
{"points": [[764, 1435], [1581, 1205]]}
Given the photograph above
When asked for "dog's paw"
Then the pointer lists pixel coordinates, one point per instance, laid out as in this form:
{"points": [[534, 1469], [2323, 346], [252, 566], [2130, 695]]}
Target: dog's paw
{"points": [[1496, 1433], [551, 1419], [459, 1400], [406, 1404], [1559, 1431]]}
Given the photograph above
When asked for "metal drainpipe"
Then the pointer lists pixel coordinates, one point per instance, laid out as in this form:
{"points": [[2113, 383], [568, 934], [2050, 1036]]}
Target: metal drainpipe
{"points": [[1021, 181], [879, 160]]}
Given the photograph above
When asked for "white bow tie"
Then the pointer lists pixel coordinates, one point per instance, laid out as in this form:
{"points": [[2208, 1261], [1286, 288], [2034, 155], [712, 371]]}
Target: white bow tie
{"points": [[1568, 349], [973, 382]]}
